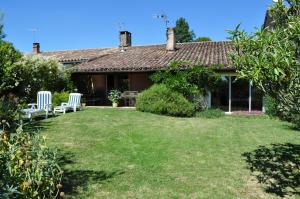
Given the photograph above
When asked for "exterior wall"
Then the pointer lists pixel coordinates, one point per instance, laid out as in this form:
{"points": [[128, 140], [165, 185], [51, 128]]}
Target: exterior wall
{"points": [[94, 87], [139, 81], [99, 85]]}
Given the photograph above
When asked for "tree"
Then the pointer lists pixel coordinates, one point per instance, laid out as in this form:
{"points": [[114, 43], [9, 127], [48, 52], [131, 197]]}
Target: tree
{"points": [[8, 57], [271, 58], [33, 73], [182, 31], [202, 39]]}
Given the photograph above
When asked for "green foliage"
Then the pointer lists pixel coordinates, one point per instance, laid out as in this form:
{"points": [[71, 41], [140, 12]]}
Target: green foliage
{"points": [[182, 31], [29, 169], [199, 39], [32, 74], [271, 57], [159, 99], [114, 96], [24, 76], [8, 112], [60, 97], [211, 113], [271, 106], [200, 102], [187, 79], [8, 57]]}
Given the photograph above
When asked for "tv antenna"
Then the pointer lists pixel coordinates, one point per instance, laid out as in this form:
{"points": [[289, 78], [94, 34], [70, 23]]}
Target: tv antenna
{"points": [[162, 17], [34, 33], [121, 26]]}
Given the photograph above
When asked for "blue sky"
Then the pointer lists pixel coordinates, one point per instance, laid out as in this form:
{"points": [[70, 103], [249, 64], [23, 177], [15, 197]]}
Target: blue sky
{"points": [[76, 24]]}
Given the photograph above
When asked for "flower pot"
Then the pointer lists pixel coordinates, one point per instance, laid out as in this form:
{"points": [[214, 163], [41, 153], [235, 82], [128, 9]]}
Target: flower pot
{"points": [[115, 104], [83, 105]]}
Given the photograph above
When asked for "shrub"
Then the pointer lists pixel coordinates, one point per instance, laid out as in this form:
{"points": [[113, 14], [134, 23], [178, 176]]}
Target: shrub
{"points": [[211, 113], [270, 106], [8, 111], [194, 79], [28, 168], [159, 99], [200, 102], [286, 111], [59, 97], [32, 73]]}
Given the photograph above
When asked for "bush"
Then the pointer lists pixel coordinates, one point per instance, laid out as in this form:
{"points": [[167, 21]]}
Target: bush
{"points": [[28, 168], [59, 97], [270, 106], [200, 102], [194, 79], [32, 73], [159, 99], [8, 111], [211, 113]]}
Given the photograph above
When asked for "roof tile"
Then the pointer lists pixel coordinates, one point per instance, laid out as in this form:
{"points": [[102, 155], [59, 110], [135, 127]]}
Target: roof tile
{"points": [[146, 58]]}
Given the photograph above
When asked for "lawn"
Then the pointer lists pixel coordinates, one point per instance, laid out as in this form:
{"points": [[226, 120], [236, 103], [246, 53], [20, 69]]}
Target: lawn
{"points": [[114, 153]]}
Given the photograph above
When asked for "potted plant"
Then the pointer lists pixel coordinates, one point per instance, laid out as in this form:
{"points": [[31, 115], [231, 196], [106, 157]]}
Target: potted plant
{"points": [[114, 96]]}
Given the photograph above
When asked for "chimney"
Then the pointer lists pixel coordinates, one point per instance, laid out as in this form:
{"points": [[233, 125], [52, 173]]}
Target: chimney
{"points": [[125, 39], [171, 41], [36, 48]]}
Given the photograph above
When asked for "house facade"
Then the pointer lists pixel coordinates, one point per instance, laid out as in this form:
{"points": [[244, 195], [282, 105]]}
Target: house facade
{"points": [[97, 71]]}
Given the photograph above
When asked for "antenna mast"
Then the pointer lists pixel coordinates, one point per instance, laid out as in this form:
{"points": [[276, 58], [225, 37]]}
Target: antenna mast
{"points": [[121, 26], [163, 17], [34, 33]]}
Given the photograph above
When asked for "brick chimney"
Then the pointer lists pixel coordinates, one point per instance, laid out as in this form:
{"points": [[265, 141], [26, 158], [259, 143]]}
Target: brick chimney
{"points": [[36, 48], [125, 39], [171, 41]]}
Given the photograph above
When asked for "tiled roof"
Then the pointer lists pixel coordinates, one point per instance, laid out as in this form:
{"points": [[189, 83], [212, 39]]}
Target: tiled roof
{"points": [[147, 58], [79, 55]]}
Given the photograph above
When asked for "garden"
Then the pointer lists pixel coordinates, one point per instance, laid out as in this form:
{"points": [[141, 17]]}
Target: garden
{"points": [[172, 145], [113, 153]]}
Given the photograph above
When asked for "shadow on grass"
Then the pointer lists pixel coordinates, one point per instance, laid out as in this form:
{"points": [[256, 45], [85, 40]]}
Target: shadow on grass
{"points": [[73, 179], [36, 126], [277, 167]]}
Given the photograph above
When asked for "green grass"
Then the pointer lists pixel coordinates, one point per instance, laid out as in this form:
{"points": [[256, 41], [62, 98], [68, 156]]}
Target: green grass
{"points": [[113, 153]]}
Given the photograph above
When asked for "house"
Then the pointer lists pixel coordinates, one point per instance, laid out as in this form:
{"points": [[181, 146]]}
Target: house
{"points": [[127, 67]]}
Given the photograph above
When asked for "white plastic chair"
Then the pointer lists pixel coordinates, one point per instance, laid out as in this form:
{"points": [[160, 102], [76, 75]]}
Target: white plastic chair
{"points": [[43, 105], [74, 103]]}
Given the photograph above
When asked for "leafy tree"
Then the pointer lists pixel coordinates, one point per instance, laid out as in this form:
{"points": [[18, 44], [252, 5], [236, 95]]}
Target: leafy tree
{"points": [[24, 76], [8, 57], [33, 73], [202, 39], [182, 31], [271, 58]]}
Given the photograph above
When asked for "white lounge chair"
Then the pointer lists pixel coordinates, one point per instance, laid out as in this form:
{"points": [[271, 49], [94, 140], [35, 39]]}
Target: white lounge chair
{"points": [[43, 105], [74, 103]]}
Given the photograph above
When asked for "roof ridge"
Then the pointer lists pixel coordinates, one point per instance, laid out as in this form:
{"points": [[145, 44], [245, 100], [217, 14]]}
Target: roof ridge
{"points": [[135, 46], [193, 42], [79, 49]]}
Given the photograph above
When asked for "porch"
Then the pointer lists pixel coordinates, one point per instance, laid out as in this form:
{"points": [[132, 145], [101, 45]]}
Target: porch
{"points": [[95, 87], [237, 96], [233, 95]]}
